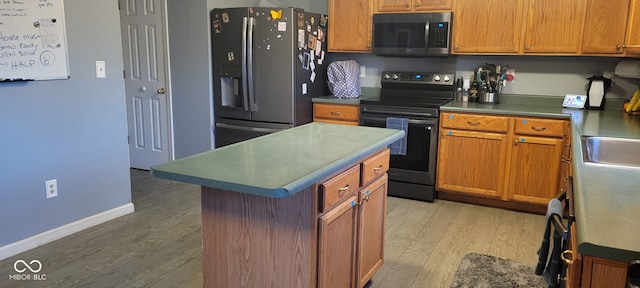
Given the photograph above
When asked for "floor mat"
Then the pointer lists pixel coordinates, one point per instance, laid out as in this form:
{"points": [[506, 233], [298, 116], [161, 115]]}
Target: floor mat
{"points": [[480, 271]]}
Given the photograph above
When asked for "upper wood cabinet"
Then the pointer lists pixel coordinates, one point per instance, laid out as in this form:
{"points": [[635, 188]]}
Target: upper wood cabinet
{"points": [[554, 26], [633, 29], [490, 26], [349, 25], [412, 5], [605, 26]]}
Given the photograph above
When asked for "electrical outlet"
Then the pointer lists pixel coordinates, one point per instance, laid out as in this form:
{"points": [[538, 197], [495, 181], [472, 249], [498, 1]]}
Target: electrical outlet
{"points": [[362, 71], [52, 188]]}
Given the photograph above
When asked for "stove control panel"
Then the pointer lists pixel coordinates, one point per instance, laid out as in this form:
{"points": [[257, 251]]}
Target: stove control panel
{"points": [[430, 78]]}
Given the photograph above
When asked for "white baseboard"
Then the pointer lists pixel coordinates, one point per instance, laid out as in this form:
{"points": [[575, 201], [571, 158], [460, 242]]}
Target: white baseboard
{"points": [[62, 231]]}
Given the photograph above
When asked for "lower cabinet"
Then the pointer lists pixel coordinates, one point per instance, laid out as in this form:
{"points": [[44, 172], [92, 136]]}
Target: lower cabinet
{"points": [[337, 245], [373, 207], [592, 272], [472, 162], [536, 163], [351, 232], [510, 162]]}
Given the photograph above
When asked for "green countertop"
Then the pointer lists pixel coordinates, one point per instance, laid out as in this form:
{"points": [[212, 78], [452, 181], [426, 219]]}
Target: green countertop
{"points": [[367, 93], [606, 199], [283, 163]]}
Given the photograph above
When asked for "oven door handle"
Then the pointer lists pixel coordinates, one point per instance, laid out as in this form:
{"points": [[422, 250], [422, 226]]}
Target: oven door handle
{"points": [[366, 118]]}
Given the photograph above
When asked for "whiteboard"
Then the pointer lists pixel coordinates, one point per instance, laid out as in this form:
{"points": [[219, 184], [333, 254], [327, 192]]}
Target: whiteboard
{"points": [[33, 44]]}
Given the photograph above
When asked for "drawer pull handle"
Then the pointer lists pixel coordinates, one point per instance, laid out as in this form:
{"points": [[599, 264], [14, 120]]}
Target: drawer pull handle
{"points": [[474, 123], [539, 129], [565, 259], [334, 113], [377, 169], [342, 189]]}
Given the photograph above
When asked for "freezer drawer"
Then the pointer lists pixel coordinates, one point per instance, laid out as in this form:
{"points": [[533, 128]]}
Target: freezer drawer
{"points": [[229, 132]]}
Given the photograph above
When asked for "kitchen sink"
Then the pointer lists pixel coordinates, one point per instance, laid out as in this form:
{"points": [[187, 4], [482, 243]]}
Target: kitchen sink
{"points": [[611, 151]]}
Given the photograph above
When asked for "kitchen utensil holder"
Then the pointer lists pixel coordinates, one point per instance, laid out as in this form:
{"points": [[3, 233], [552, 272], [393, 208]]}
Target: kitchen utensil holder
{"points": [[489, 97]]}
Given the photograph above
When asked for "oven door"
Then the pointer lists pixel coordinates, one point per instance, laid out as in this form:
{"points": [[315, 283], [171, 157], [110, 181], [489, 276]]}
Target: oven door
{"points": [[419, 163]]}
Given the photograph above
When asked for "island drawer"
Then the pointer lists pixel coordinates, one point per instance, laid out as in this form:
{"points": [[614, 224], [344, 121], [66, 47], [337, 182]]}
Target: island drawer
{"points": [[375, 166], [542, 127], [339, 187], [475, 122]]}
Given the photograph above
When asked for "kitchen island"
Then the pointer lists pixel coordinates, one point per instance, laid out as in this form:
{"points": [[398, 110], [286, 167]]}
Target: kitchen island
{"points": [[304, 207]]}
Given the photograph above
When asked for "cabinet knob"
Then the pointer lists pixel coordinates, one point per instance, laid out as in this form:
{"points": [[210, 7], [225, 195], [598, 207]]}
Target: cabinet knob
{"points": [[407, 5], [455, 47], [418, 4], [527, 47], [515, 142], [618, 47]]}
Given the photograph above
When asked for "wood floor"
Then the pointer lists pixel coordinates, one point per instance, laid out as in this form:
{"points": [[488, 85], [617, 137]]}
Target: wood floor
{"points": [[159, 245]]}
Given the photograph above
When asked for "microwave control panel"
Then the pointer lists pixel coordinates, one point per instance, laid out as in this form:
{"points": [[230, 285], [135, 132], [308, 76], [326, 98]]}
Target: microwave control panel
{"points": [[439, 35]]}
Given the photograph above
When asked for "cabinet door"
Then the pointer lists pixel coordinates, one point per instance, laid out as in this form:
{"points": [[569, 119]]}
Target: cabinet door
{"points": [[429, 5], [554, 26], [603, 273], [393, 5], [604, 27], [371, 229], [535, 169], [337, 246], [349, 26], [490, 26], [412, 5], [633, 30], [472, 162], [574, 270]]}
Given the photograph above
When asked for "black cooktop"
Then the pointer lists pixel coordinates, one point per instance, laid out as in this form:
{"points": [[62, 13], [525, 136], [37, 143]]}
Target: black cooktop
{"points": [[414, 89]]}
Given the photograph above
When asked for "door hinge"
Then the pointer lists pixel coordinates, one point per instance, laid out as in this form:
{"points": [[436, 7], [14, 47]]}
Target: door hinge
{"points": [[128, 140], [124, 76]]}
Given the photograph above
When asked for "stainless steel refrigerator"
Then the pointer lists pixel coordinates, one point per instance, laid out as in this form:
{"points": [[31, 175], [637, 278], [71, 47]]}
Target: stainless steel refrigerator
{"points": [[267, 64]]}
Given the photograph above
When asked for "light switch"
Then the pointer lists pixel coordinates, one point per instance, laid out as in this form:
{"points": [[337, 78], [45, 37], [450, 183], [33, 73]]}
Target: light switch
{"points": [[101, 69], [362, 71]]}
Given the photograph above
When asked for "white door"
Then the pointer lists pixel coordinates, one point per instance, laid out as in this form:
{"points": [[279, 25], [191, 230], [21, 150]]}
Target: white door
{"points": [[143, 25]]}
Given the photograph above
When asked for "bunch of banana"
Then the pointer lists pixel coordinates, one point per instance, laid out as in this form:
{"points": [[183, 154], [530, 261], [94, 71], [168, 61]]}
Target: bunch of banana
{"points": [[634, 105]]}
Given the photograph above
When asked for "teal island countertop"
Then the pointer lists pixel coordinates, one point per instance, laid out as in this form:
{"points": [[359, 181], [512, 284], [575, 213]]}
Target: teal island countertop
{"points": [[282, 163], [606, 198]]}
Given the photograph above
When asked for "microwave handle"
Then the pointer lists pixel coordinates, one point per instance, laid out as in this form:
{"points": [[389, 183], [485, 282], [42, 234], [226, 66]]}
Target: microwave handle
{"points": [[426, 34]]}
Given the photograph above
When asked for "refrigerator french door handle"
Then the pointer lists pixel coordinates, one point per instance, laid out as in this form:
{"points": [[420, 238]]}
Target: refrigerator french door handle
{"points": [[245, 83], [252, 101]]}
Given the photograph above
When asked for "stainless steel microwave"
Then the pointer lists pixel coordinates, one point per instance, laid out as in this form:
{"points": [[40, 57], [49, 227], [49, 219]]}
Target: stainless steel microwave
{"points": [[412, 34]]}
